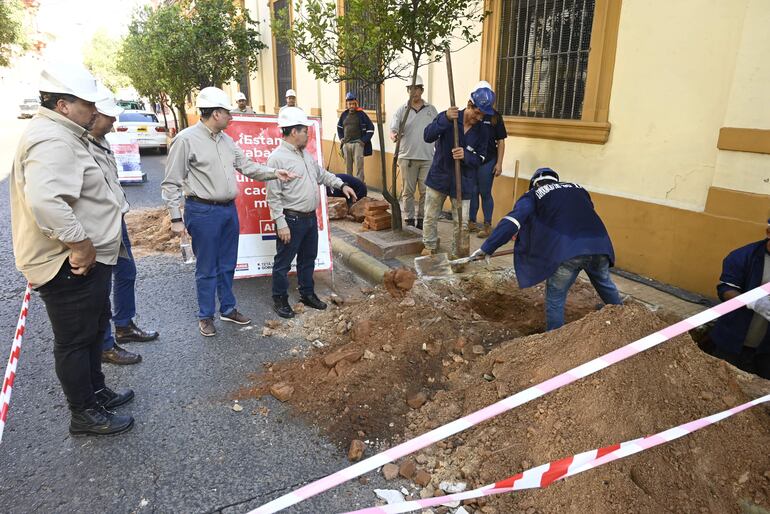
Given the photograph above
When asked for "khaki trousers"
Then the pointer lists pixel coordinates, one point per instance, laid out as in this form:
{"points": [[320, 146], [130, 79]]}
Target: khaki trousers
{"points": [[354, 153], [434, 201], [413, 172]]}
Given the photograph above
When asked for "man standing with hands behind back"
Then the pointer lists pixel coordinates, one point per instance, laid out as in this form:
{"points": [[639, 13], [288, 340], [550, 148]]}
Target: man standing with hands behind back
{"points": [[293, 207], [202, 162]]}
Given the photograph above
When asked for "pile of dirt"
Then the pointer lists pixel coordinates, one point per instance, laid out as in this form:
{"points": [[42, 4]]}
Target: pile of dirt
{"points": [[150, 231], [714, 470], [399, 350]]}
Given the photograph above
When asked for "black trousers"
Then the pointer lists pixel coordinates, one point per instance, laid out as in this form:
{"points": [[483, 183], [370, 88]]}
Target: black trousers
{"points": [[79, 310], [747, 360]]}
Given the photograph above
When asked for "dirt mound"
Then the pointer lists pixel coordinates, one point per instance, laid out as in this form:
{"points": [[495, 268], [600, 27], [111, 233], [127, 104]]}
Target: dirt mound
{"points": [[714, 470], [150, 232], [419, 343]]}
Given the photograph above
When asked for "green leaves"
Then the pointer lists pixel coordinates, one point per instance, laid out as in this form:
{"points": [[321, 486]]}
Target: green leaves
{"points": [[12, 31], [100, 56]]}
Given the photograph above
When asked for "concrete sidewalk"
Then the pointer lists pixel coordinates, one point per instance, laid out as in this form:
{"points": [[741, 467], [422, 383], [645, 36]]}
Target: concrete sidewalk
{"points": [[344, 246]]}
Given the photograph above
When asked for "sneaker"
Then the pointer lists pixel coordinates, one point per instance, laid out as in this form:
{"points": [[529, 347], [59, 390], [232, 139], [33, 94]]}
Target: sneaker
{"points": [[109, 399], [281, 306], [410, 222], [312, 301], [485, 231], [117, 355], [131, 333], [235, 317], [472, 227], [99, 421], [206, 327]]}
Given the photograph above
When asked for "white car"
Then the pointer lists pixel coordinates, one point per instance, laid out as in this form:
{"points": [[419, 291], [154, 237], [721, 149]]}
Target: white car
{"points": [[149, 132]]}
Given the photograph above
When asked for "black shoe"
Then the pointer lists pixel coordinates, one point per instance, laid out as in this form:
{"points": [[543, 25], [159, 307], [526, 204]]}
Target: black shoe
{"points": [[109, 399], [99, 421], [281, 306], [312, 301], [410, 222], [419, 224], [131, 333]]}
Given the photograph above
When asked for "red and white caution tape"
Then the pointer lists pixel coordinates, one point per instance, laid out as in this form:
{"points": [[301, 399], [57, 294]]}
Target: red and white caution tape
{"points": [[511, 402], [13, 360], [544, 475]]}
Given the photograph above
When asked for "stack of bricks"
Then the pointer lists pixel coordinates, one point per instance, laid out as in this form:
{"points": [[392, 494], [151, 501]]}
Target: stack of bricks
{"points": [[376, 216]]}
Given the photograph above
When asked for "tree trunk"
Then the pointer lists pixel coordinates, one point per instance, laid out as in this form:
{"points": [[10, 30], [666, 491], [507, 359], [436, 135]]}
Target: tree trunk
{"points": [[163, 110], [173, 113], [395, 208]]}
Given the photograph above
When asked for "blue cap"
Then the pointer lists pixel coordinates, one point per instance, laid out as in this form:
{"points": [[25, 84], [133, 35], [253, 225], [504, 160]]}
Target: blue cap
{"points": [[484, 98], [350, 96], [542, 174]]}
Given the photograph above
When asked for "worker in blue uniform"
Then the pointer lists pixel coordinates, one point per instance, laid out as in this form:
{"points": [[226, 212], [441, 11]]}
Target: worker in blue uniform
{"points": [[558, 234], [742, 337]]}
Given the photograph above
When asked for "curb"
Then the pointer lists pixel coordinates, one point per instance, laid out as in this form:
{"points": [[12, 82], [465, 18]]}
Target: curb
{"points": [[359, 261]]}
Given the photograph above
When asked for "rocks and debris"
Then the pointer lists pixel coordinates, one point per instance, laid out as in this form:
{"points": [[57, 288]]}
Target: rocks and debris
{"points": [[391, 496], [356, 450], [399, 281], [390, 471], [281, 391]]}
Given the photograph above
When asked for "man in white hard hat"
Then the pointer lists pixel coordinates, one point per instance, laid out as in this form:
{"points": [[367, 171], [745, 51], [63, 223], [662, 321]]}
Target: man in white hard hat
{"points": [[66, 238], [414, 155], [241, 107], [293, 207], [291, 100], [201, 166], [124, 272]]}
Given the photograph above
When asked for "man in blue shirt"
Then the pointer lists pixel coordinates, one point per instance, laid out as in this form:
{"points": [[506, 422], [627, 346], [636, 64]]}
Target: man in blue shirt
{"points": [[742, 337], [558, 234], [440, 182]]}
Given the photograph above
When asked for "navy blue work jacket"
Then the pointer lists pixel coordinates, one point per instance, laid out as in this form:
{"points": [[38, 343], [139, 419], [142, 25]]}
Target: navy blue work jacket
{"points": [[741, 271], [367, 129], [441, 175], [555, 222]]}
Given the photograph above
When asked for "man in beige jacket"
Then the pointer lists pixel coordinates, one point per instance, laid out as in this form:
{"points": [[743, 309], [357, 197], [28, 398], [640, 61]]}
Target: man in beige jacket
{"points": [[66, 238]]}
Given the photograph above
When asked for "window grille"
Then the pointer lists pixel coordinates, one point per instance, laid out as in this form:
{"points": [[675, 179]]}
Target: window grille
{"points": [[543, 57], [367, 95], [283, 70]]}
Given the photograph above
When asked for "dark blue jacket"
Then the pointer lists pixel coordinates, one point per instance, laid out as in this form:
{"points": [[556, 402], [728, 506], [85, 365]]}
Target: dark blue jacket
{"points": [[367, 129], [441, 175], [555, 222], [358, 187], [741, 271]]}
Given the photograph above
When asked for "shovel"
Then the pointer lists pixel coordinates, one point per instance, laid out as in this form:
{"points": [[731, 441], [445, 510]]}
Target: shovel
{"points": [[439, 265]]}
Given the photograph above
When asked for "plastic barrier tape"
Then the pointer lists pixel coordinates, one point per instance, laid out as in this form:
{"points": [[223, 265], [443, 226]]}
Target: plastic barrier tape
{"points": [[13, 360], [511, 402]]}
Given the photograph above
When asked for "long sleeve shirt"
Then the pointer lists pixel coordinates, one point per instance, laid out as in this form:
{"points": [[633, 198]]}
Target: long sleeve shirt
{"points": [[203, 164], [302, 193], [59, 195]]}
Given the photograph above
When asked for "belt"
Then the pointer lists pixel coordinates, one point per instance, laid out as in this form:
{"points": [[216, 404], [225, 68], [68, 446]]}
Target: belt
{"points": [[209, 202], [298, 214]]}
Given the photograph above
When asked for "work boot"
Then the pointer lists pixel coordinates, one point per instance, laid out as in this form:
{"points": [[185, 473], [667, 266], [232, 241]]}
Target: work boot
{"points": [[426, 252], [99, 421], [109, 399], [485, 231], [206, 327], [235, 317], [419, 224], [472, 227], [312, 301], [131, 333], [117, 355], [281, 306], [410, 222]]}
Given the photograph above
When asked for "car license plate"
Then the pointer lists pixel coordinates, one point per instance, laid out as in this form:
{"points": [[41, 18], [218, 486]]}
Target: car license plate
{"points": [[141, 129]]}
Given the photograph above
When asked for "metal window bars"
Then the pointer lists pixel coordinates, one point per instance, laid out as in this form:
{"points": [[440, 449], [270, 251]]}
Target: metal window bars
{"points": [[543, 57]]}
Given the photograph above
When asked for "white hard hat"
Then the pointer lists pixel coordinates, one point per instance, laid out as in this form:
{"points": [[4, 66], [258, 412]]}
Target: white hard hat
{"points": [[291, 116], [212, 97], [290, 92], [108, 107], [239, 97], [69, 78], [418, 81]]}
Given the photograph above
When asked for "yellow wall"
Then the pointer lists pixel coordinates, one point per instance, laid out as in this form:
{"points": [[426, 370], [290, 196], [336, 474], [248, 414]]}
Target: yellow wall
{"points": [[673, 202]]}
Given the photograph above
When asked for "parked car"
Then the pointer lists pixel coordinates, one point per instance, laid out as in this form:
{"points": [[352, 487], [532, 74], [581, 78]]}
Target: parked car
{"points": [[150, 133], [28, 108], [134, 105]]}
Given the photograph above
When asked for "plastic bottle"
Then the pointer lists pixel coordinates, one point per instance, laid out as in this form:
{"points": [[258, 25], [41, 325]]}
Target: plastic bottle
{"points": [[188, 257]]}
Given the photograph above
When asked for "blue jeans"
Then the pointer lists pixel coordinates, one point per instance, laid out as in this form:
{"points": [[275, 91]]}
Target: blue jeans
{"points": [[484, 179], [214, 232], [123, 297], [597, 267], [304, 246]]}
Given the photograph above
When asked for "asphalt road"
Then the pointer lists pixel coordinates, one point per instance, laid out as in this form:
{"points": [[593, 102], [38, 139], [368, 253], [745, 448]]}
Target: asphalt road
{"points": [[189, 452]]}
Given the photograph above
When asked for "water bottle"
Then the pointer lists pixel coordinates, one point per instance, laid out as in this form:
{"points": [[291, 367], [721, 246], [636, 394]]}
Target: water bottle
{"points": [[188, 257]]}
